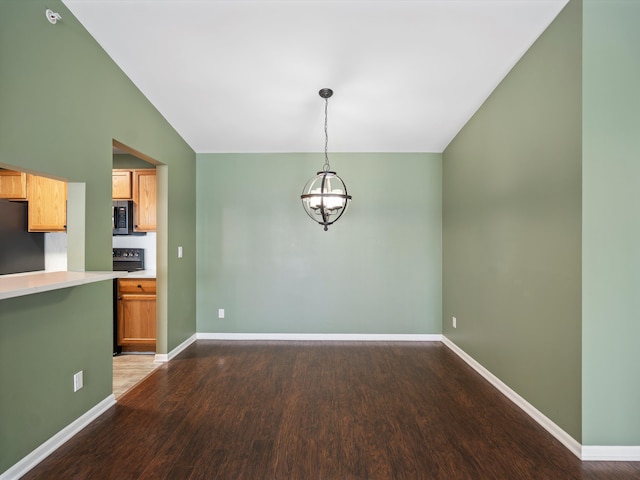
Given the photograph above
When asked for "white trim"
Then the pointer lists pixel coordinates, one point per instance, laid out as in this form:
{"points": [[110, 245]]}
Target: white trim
{"points": [[164, 357], [324, 337], [562, 436], [161, 358], [611, 453], [55, 442]]}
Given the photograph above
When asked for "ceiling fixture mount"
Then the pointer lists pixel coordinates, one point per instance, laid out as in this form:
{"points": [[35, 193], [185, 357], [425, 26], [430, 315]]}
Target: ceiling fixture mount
{"points": [[52, 16], [325, 197]]}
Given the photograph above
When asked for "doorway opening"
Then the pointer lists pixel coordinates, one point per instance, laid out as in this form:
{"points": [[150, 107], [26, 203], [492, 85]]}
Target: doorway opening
{"points": [[140, 320]]}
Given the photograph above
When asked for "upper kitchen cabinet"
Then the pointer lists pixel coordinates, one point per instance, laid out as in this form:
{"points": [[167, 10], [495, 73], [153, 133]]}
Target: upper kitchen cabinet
{"points": [[122, 188], [47, 199], [13, 185], [144, 200]]}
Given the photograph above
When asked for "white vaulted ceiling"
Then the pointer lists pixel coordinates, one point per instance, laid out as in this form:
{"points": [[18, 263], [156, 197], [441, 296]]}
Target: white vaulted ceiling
{"points": [[244, 75]]}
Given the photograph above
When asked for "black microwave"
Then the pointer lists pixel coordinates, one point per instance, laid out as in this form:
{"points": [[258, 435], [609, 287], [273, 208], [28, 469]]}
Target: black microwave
{"points": [[122, 212]]}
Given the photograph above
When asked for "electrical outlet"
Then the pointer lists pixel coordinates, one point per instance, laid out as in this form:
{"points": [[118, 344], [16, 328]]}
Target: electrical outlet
{"points": [[221, 313], [453, 321], [78, 381]]}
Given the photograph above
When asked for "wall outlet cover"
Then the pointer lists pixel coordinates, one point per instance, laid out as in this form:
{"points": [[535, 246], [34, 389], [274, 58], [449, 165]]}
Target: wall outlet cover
{"points": [[78, 381]]}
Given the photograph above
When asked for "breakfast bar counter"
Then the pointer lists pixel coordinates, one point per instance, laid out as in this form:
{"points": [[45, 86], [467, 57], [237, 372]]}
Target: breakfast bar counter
{"points": [[20, 284]]}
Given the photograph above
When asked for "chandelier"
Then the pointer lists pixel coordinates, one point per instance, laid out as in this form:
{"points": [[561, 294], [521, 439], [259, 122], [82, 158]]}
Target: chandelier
{"points": [[325, 197]]}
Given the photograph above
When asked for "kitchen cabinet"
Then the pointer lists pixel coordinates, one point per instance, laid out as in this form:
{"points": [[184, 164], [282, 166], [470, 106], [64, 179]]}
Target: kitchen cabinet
{"points": [[144, 200], [46, 197], [136, 322], [138, 185], [13, 185], [122, 188], [47, 204]]}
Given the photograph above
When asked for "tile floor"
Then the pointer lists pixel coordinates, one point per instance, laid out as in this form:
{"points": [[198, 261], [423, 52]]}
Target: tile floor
{"points": [[129, 370]]}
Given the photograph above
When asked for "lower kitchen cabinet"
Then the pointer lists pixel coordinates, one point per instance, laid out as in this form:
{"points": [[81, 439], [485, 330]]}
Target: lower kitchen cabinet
{"points": [[136, 324]]}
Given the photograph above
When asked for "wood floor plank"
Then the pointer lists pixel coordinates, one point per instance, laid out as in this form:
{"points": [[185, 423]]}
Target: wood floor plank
{"points": [[318, 410]]}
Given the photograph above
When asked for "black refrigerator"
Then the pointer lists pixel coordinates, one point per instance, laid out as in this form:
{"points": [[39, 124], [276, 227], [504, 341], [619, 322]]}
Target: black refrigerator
{"points": [[20, 250]]}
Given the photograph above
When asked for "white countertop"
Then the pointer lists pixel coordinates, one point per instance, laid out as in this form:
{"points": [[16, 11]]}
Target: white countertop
{"points": [[20, 284], [140, 274]]}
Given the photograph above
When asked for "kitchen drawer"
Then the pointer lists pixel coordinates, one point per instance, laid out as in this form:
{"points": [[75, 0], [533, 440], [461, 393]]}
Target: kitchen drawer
{"points": [[137, 285]]}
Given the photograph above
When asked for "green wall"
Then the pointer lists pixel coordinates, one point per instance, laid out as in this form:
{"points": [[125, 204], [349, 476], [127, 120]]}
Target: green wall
{"points": [[261, 258], [37, 397], [62, 101], [512, 227], [124, 160], [611, 223]]}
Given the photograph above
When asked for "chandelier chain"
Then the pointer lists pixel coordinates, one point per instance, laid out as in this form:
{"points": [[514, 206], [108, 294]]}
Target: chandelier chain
{"points": [[326, 166]]}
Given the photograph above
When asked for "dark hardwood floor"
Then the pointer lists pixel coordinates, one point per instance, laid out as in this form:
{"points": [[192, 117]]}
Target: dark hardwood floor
{"points": [[296, 410]]}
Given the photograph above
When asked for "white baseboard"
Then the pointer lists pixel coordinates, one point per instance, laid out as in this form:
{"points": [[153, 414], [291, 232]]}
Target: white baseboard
{"points": [[161, 358], [324, 337], [165, 357], [55, 442], [611, 453], [562, 436]]}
